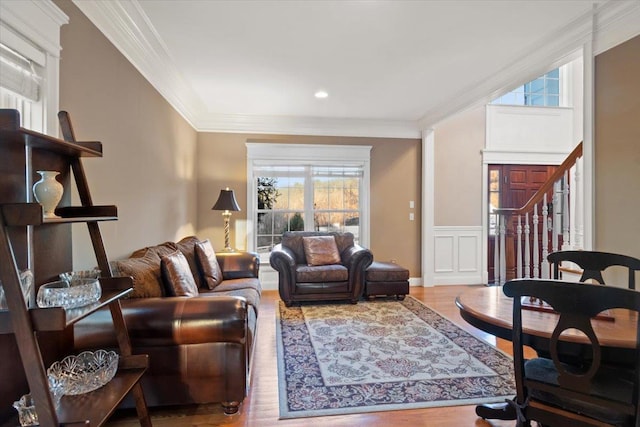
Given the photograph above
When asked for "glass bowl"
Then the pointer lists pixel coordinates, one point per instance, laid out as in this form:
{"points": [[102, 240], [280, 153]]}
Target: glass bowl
{"points": [[72, 276], [75, 293], [26, 282], [85, 372]]}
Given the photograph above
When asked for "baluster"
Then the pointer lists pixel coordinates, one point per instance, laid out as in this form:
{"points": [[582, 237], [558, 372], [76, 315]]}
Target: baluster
{"points": [[503, 250], [577, 196], [527, 247], [566, 242], [536, 254], [544, 274], [496, 252], [519, 250], [573, 186]]}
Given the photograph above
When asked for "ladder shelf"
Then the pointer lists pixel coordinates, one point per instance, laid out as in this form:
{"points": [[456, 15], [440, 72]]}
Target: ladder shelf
{"points": [[17, 217]]}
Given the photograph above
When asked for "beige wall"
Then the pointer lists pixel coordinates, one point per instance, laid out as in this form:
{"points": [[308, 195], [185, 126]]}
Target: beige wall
{"points": [[458, 169], [395, 180], [617, 149], [148, 168]]}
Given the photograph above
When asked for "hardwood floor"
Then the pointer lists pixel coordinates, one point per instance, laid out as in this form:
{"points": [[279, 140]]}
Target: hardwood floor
{"points": [[261, 406]]}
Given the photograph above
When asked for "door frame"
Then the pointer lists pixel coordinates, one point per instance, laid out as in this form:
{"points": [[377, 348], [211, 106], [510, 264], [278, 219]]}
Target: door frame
{"points": [[506, 158], [505, 189]]}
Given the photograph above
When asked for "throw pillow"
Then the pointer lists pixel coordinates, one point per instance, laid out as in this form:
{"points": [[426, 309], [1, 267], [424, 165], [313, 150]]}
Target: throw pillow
{"points": [[177, 275], [145, 271], [321, 250], [188, 248], [211, 270], [155, 251]]}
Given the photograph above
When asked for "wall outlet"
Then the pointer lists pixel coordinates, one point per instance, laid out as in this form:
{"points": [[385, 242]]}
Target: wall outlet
{"points": [[411, 216]]}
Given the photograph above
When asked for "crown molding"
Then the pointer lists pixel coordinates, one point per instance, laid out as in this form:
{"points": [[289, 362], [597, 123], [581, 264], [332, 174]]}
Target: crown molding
{"points": [[536, 60], [320, 126], [615, 23], [607, 25], [124, 23]]}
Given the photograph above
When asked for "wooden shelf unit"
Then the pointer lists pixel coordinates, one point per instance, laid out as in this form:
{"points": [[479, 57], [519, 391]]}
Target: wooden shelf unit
{"points": [[77, 410], [22, 228]]}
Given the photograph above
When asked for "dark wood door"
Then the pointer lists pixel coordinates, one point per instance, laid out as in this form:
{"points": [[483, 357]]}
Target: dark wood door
{"points": [[511, 186], [521, 182]]}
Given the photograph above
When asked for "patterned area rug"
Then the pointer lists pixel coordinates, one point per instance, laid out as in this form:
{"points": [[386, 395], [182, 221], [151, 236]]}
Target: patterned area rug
{"points": [[379, 356]]}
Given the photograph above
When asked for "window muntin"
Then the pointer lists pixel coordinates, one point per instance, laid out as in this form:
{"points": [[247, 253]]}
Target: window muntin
{"points": [[336, 199], [280, 203], [303, 163], [283, 195], [541, 92]]}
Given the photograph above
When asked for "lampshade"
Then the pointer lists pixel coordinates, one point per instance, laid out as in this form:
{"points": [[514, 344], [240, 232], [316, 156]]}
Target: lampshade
{"points": [[226, 201]]}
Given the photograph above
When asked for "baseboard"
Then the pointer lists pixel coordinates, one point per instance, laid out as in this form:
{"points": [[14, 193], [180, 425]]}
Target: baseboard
{"points": [[415, 281], [453, 280]]}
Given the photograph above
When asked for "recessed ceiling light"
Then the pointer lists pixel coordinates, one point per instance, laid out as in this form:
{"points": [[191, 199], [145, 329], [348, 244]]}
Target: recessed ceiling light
{"points": [[321, 94]]}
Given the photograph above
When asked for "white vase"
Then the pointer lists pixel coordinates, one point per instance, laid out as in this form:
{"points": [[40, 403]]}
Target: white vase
{"points": [[48, 192]]}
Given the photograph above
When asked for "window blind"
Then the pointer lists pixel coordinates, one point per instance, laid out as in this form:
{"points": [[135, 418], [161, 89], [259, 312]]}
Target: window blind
{"points": [[275, 171], [18, 74]]}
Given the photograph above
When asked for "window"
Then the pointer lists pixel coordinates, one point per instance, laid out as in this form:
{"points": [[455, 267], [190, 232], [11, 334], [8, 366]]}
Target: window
{"points": [[20, 87], [306, 187], [541, 92], [494, 198], [29, 61]]}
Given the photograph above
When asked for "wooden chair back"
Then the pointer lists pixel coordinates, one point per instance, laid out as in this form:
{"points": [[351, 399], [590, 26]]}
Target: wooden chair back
{"points": [[593, 263], [577, 304]]}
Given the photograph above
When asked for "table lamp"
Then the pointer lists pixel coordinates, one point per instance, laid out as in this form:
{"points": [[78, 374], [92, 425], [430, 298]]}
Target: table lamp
{"points": [[226, 203]]}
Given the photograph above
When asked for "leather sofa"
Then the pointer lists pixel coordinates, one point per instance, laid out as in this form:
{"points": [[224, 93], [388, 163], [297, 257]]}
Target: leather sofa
{"points": [[200, 348], [299, 281]]}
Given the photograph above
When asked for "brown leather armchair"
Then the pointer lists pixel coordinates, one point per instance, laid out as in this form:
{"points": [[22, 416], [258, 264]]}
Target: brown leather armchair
{"points": [[298, 281]]}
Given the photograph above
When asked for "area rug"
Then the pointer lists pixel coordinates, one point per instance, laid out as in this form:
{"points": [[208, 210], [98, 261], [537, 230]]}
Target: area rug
{"points": [[379, 356]]}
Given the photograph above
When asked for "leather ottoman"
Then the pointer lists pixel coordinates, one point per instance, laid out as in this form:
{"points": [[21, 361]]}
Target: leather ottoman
{"points": [[386, 278]]}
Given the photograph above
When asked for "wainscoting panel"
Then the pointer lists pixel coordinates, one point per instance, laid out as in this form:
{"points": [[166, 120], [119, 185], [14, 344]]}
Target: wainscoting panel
{"points": [[457, 255], [444, 254]]}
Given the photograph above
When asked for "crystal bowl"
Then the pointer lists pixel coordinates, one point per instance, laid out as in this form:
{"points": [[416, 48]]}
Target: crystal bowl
{"points": [[72, 276], [85, 372], [75, 293]]}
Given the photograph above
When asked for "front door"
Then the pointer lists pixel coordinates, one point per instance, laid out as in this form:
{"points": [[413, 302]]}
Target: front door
{"points": [[511, 186]]}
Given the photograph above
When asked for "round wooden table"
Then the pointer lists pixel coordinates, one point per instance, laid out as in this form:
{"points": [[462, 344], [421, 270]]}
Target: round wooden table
{"points": [[490, 310]]}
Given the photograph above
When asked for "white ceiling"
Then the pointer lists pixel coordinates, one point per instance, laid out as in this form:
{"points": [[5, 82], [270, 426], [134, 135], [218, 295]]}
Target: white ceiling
{"points": [[391, 68]]}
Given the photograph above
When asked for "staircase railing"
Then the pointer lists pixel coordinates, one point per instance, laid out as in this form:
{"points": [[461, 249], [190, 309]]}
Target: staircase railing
{"points": [[558, 224]]}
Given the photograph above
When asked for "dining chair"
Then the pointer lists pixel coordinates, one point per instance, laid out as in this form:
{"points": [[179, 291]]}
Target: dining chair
{"points": [[593, 263], [555, 392]]}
